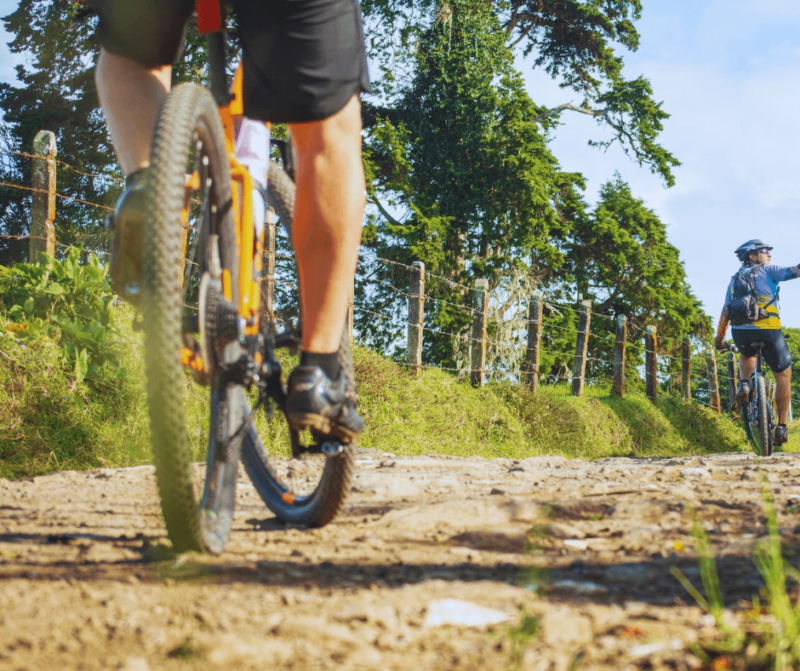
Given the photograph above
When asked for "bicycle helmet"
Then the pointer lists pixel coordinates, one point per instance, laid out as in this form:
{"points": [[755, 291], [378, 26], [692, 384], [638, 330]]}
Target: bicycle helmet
{"points": [[745, 250]]}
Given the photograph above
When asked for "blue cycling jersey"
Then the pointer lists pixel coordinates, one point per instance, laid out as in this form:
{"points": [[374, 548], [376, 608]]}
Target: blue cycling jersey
{"points": [[767, 278]]}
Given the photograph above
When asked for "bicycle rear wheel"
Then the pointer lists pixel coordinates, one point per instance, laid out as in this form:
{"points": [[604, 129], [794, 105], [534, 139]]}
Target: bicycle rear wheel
{"points": [[190, 234], [756, 418], [308, 490], [765, 425]]}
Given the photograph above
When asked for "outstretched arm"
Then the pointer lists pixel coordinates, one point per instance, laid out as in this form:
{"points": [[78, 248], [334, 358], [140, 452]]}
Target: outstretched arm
{"points": [[781, 274]]}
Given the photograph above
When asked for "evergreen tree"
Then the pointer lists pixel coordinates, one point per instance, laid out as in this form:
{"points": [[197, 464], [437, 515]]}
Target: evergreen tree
{"points": [[621, 260], [463, 155], [57, 93], [578, 41]]}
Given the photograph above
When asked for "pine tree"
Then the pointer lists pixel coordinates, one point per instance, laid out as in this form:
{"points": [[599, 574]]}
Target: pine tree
{"points": [[56, 93]]}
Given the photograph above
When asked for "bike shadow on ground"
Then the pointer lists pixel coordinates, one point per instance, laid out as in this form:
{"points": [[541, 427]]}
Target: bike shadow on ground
{"points": [[585, 579]]}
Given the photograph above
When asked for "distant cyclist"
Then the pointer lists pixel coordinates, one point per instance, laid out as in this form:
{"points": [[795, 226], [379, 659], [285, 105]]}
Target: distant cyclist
{"points": [[751, 307]]}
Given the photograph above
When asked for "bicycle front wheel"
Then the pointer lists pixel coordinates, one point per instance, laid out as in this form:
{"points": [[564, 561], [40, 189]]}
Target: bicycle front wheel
{"points": [[310, 489], [190, 235]]}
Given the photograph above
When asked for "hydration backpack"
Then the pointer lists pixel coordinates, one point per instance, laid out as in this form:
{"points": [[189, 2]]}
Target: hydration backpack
{"points": [[744, 308]]}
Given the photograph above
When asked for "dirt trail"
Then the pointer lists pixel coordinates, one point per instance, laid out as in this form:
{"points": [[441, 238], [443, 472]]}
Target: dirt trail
{"points": [[427, 568]]}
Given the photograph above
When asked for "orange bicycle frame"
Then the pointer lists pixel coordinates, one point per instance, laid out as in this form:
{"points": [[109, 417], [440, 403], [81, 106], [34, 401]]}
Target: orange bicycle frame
{"points": [[211, 15]]}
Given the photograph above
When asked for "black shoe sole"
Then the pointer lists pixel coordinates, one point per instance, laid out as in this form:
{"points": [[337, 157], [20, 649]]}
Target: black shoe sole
{"points": [[307, 420]]}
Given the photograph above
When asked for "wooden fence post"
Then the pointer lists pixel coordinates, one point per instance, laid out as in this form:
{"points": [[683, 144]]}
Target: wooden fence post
{"points": [[620, 345], [268, 281], [535, 308], [686, 369], [416, 315], [651, 362], [43, 213], [713, 382], [480, 315], [581, 348], [732, 386]]}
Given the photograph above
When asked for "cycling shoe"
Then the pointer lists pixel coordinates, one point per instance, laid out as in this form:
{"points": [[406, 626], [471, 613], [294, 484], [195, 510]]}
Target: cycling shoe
{"points": [[743, 394], [324, 406], [781, 434], [126, 223]]}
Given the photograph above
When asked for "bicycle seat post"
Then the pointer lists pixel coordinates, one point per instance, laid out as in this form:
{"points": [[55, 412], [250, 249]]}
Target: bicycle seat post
{"points": [[217, 52]]}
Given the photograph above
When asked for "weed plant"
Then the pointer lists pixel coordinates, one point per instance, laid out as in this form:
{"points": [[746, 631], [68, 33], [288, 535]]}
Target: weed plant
{"points": [[69, 302], [770, 638], [70, 375], [519, 637]]}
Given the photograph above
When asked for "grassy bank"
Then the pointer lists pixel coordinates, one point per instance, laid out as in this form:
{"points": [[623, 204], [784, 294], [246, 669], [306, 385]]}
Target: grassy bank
{"points": [[51, 420], [54, 418], [435, 413]]}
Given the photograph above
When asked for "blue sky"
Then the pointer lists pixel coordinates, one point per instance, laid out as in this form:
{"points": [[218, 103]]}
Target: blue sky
{"points": [[728, 71], [7, 60], [729, 74]]}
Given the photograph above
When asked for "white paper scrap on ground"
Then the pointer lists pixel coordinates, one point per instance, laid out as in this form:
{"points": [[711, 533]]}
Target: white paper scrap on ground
{"points": [[649, 649], [581, 588], [462, 614]]}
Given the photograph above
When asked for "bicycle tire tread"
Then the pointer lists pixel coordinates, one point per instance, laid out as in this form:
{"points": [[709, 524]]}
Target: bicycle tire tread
{"points": [[178, 121]]}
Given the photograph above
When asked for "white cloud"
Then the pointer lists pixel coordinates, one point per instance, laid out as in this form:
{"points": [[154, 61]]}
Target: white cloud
{"points": [[773, 9]]}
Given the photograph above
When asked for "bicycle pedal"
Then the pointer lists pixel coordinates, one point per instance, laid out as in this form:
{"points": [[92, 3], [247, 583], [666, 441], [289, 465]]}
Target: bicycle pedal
{"points": [[331, 448]]}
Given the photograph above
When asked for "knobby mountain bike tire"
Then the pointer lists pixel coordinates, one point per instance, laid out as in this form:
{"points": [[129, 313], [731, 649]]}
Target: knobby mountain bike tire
{"points": [[756, 419], [189, 149], [311, 490], [764, 418]]}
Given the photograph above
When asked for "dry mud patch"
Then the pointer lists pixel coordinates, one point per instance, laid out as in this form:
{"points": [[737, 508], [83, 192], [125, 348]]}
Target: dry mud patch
{"points": [[430, 565]]}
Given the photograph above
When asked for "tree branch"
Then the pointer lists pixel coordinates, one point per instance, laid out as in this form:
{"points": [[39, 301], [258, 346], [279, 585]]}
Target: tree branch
{"points": [[383, 211], [569, 106]]}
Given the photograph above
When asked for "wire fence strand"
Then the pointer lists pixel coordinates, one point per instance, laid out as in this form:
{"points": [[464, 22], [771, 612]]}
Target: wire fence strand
{"points": [[601, 336]]}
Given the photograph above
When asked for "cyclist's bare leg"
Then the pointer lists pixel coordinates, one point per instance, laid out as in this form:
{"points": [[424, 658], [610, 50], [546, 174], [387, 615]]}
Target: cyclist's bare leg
{"points": [[783, 394], [326, 229], [747, 366], [131, 96]]}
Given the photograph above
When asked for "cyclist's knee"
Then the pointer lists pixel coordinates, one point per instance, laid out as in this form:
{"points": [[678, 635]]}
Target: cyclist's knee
{"points": [[113, 68], [340, 132]]}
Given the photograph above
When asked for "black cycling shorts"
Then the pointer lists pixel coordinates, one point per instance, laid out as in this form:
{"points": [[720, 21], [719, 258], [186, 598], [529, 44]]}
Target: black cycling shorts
{"points": [[303, 59], [776, 353]]}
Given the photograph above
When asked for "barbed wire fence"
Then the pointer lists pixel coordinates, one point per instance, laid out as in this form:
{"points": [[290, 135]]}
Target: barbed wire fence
{"points": [[44, 197], [512, 333]]}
